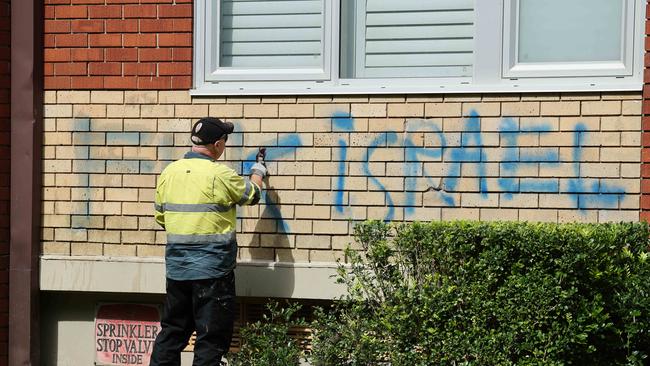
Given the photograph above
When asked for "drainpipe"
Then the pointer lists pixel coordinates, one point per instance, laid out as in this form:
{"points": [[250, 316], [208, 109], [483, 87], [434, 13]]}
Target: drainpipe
{"points": [[26, 141]]}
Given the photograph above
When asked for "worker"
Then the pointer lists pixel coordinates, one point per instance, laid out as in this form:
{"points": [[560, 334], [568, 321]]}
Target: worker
{"points": [[196, 198]]}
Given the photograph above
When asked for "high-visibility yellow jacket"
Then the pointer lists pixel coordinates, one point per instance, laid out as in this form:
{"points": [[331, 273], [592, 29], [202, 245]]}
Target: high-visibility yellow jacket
{"points": [[196, 202]]}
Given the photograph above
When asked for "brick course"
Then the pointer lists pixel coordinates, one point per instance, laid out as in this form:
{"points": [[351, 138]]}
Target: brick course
{"points": [[118, 44]]}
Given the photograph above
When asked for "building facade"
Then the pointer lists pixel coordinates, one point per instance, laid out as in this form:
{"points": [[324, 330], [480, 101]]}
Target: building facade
{"points": [[409, 111]]}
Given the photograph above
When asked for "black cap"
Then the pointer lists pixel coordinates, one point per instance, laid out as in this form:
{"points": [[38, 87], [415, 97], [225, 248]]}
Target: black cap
{"points": [[209, 130]]}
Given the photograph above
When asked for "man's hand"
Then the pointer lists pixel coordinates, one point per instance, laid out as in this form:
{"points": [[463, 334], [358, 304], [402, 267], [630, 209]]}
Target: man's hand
{"points": [[258, 169]]}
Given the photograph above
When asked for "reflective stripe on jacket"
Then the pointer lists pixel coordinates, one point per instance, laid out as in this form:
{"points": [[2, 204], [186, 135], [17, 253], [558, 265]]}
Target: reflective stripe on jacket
{"points": [[196, 202]]}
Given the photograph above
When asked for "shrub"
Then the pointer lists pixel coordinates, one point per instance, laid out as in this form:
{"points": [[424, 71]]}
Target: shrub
{"points": [[267, 341], [476, 293]]}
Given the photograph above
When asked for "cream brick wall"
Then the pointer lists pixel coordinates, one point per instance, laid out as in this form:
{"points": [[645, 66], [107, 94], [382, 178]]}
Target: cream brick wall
{"points": [[335, 160]]}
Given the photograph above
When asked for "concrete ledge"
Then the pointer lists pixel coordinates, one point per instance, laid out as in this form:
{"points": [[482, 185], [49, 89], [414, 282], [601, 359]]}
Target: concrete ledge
{"points": [[147, 276]]}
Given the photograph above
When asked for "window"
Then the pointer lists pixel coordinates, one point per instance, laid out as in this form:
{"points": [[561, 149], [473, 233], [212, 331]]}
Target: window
{"points": [[388, 46], [407, 38], [268, 40], [569, 38]]}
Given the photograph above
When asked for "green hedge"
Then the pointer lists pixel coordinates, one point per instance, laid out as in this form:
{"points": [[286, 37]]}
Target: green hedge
{"points": [[267, 341], [477, 293]]}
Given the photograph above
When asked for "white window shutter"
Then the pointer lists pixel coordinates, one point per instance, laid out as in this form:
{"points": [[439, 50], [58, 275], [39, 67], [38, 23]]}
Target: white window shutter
{"points": [[414, 38], [271, 34], [270, 40]]}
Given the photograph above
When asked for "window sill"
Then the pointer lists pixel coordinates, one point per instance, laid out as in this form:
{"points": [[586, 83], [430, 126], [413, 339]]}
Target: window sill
{"points": [[418, 86]]}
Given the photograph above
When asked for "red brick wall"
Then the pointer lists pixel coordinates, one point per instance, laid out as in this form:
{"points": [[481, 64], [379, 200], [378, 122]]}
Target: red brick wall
{"points": [[118, 44], [645, 152], [5, 160]]}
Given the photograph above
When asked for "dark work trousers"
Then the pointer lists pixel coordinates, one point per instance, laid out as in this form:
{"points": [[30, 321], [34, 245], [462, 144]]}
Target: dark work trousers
{"points": [[205, 305]]}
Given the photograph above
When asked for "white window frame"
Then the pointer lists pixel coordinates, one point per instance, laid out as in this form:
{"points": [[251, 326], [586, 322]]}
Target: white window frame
{"points": [[360, 69], [213, 73], [512, 68], [492, 72]]}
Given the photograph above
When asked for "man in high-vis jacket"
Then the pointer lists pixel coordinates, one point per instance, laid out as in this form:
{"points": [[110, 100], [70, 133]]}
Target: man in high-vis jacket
{"points": [[196, 198]]}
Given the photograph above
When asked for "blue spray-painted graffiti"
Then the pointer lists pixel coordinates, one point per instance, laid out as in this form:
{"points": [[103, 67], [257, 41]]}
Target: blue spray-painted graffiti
{"points": [[515, 158], [597, 193], [80, 221], [382, 140], [469, 153], [287, 145], [345, 123], [466, 152], [458, 153], [414, 154]]}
